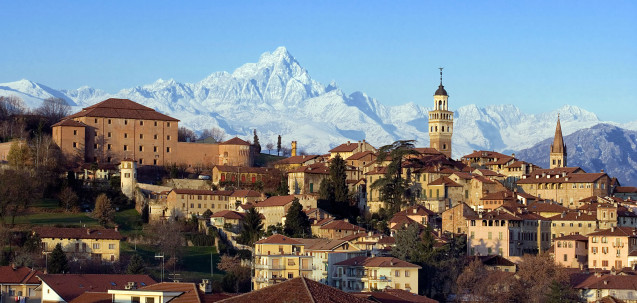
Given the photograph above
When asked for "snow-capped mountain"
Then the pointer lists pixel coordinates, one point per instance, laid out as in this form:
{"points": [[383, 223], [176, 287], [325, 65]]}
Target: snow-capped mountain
{"points": [[602, 146], [276, 95]]}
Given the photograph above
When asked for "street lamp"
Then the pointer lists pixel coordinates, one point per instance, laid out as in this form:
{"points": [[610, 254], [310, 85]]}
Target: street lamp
{"points": [[157, 256]]}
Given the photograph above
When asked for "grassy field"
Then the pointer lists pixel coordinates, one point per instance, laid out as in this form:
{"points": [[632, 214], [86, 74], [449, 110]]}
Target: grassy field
{"points": [[194, 266], [56, 219]]}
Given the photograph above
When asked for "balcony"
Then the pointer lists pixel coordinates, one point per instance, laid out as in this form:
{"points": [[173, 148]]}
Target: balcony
{"points": [[376, 278], [269, 267], [618, 245]]}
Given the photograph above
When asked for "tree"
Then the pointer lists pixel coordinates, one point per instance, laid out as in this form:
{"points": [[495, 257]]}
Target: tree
{"points": [[103, 212], [339, 180], [407, 243], [135, 265], [68, 199], [252, 227], [19, 154], [53, 110], [562, 293], [186, 135], [278, 145], [237, 277], [58, 263], [18, 188], [257, 145], [297, 224], [215, 133], [207, 214], [392, 187], [269, 147], [168, 237]]}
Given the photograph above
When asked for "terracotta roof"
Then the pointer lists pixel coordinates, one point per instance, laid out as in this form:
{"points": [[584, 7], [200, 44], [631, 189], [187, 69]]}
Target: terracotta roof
{"points": [[19, 275], [376, 262], [70, 286], [492, 260], [417, 210], [77, 233], [276, 201], [427, 150], [243, 169], [245, 193], [495, 215], [345, 147], [325, 244], [463, 175], [93, 297], [626, 189], [519, 163], [572, 237], [377, 171], [121, 108], [569, 178], [483, 179], [401, 220], [574, 216], [297, 290], [445, 181], [354, 236], [186, 191], [542, 207], [190, 291], [316, 168], [278, 239], [69, 122], [228, 214], [608, 281], [620, 231], [360, 155], [235, 141], [484, 154], [296, 159], [340, 224], [500, 195], [390, 295]]}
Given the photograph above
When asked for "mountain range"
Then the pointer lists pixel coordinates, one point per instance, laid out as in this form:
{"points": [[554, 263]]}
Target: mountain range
{"points": [[277, 96]]}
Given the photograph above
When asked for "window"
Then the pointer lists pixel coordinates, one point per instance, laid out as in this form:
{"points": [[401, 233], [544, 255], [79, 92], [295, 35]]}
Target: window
{"points": [[168, 137], [150, 300], [125, 122], [290, 275], [155, 123], [141, 148], [473, 235], [134, 299], [167, 149], [75, 132], [109, 121], [604, 263], [96, 246], [155, 137], [96, 120], [125, 147], [141, 136], [406, 273], [397, 273], [141, 122], [108, 146], [500, 236], [141, 161], [489, 236], [74, 144], [125, 135], [167, 124], [565, 257], [154, 148], [109, 134], [111, 246]]}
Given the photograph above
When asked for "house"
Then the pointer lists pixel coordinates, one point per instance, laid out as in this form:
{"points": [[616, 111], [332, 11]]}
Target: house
{"points": [[238, 175], [494, 262], [66, 287], [546, 209], [606, 287], [479, 158], [279, 258], [227, 218], [609, 248], [184, 203], [418, 213], [573, 222], [571, 251], [19, 282], [454, 220], [565, 185], [338, 229], [307, 179], [81, 243], [298, 289], [294, 161], [389, 295], [348, 149], [275, 208], [494, 200], [372, 273], [626, 192]]}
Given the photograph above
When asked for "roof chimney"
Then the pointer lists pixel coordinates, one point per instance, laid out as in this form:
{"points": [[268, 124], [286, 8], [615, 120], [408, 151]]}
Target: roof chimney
{"points": [[88, 231], [348, 143], [293, 148]]}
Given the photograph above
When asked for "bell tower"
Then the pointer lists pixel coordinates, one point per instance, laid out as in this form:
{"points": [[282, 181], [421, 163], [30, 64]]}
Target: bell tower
{"points": [[441, 121], [558, 148]]}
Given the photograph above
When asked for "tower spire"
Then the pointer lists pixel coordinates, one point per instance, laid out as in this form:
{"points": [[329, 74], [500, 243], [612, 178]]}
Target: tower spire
{"points": [[440, 68], [558, 148]]}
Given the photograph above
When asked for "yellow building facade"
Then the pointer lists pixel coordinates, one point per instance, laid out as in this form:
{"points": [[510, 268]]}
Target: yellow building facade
{"points": [[82, 243]]}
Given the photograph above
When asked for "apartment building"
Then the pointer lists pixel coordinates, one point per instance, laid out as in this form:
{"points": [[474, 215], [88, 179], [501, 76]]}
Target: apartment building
{"points": [[81, 243], [571, 251], [610, 248], [375, 273], [279, 258]]}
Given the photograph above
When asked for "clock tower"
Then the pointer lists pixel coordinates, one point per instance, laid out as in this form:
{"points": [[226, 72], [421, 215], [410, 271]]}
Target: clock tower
{"points": [[441, 121]]}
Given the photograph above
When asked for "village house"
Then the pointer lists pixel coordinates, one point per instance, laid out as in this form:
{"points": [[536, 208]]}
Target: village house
{"points": [[227, 219], [19, 284], [374, 273], [184, 203], [275, 208], [279, 258], [295, 161], [609, 248], [338, 229], [494, 200], [66, 287], [81, 243], [239, 175], [571, 251], [307, 179], [348, 149], [573, 222], [606, 287], [454, 220], [567, 188]]}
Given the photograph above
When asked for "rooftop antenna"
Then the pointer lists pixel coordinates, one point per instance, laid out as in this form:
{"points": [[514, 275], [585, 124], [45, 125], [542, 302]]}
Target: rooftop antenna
{"points": [[440, 68]]}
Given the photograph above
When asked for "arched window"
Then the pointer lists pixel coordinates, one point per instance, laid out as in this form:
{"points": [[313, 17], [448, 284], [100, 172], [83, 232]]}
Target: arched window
{"points": [[439, 104], [444, 146], [436, 127], [443, 128]]}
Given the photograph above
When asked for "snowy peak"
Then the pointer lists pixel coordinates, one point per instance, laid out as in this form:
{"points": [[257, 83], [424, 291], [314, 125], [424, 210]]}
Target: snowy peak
{"points": [[32, 93]]}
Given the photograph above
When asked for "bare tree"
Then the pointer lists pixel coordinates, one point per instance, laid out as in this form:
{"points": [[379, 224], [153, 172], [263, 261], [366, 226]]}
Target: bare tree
{"points": [[11, 106], [269, 147], [68, 199], [186, 135], [53, 110], [215, 133]]}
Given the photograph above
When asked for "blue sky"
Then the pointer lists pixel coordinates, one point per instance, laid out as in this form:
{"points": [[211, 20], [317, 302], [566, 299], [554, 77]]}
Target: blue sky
{"points": [[537, 55]]}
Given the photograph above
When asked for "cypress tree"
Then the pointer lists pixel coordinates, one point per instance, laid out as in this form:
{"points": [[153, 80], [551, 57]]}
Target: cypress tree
{"points": [[252, 227], [338, 177], [297, 224], [58, 263], [278, 146], [257, 145], [135, 265]]}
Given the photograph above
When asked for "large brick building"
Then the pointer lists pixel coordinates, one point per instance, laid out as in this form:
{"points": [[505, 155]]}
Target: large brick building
{"points": [[114, 129]]}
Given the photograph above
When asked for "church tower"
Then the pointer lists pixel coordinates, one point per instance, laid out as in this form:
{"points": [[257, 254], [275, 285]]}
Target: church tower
{"points": [[558, 149], [441, 121]]}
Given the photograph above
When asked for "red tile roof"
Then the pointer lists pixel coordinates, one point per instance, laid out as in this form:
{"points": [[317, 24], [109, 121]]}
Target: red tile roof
{"points": [[245, 193], [345, 147], [296, 159], [484, 154], [228, 214], [235, 141], [19, 275], [574, 216], [419, 210], [70, 286], [316, 168], [572, 238], [278, 239], [625, 189], [276, 201], [360, 155], [340, 224], [77, 233], [190, 291], [121, 108], [69, 122], [608, 281], [243, 169], [93, 297], [389, 295], [297, 290], [620, 231], [376, 262], [445, 181]]}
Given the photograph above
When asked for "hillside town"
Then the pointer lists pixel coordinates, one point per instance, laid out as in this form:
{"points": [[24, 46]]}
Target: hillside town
{"points": [[119, 203]]}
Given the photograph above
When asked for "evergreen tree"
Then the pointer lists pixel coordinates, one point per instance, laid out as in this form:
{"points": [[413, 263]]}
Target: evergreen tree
{"points": [[103, 212], [297, 224], [135, 265], [407, 243], [562, 293], [326, 195], [257, 145], [278, 146], [58, 263], [339, 180], [393, 188], [252, 227]]}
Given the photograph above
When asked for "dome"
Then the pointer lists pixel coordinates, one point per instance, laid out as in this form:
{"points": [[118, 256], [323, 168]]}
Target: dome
{"points": [[441, 91]]}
